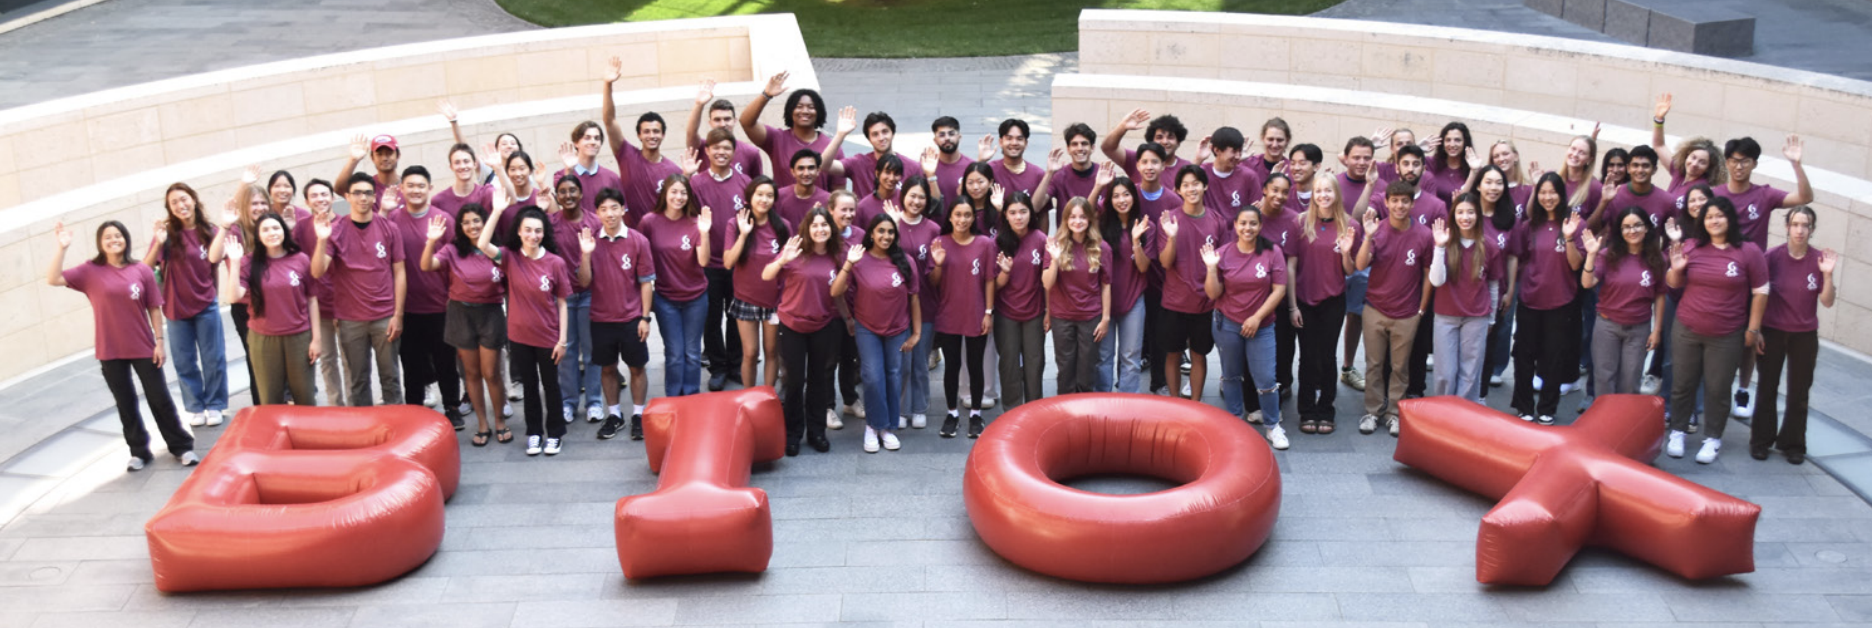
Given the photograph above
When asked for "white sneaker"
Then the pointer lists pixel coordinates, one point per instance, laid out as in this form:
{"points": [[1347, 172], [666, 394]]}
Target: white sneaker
{"points": [[1650, 385], [988, 402], [1495, 380], [1527, 417], [533, 446], [1186, 389], [1368, 424], [1391, 423], [903, 422], [552, 446], [506, 410], [1429, 360], [594, 414], [890, 441], [465, 409], [212, 417], [1255, 418], [1744, 404], [1674, 446], [567, 413], [188, 458], [1546, 419], [1277, 437], [832, 420], [1569, 387], [429, 396], [194, 419], [1162, 392], [919, 421], [1711, 447], [870, 440], [1537, 384], [855, 409], [136, 464]]}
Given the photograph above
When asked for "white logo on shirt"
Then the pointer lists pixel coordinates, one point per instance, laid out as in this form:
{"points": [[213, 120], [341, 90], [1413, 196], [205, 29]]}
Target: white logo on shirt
{"points": [[497, 276], [1410, 258], [1644, 279], [1235, 198], [1732, 270], [831, 276], [686, 245], [204, 251], [1680, 202], [773, 246], [1283, 239], [1260, 270], [1559, 244], [381, 253], [1501, 240], [1036, 257], [292, 277], [1813, 283], [545, 283], [659, 187], [136, 291], [1208, 239], [896, 280], [625, 259], [1519, 208], [975, 267], [1753, 215], [922, 252], [737, 202]]}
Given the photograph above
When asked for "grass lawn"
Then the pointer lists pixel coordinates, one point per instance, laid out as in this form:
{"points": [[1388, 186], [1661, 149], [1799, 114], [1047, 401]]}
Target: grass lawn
{"points": [[898, 28]]}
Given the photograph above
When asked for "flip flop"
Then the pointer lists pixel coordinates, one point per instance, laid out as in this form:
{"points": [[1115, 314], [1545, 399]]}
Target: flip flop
{"points": [[1309, 426], [1325, 427], [480, 439], [503, 435]]}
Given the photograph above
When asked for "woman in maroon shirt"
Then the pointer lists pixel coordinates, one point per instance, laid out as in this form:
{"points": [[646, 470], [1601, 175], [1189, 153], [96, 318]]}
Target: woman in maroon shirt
{"points": [[960, 263], [1725, 284], [475, 324], [984, 195], [1124, 229], [1247, 278], [809, 342], [1020, 327], [880, 283], [126, 307], [539, 283], [917, 229], [277, 283], [180, 254], [754, 240], [1547, 318], [1631, 299], [1317, 265], [1078, 283], [1802, 278]]}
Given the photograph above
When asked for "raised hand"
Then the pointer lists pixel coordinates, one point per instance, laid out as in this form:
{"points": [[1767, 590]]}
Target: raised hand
{"points": [[438, 227], [62, 234], [490, 156], [929, 161], [996, 194], [250, 175], [935, 252], [1476, 160], [1137, 120], [360, 146], [1533, 170], [1570, 227], [233, 251], [891, 209], [614, 70], [1003, 262], [854, 253], [705, 221], [1056, 159], [322, 225], [447, 108], [793, 248], [1671, 229], [1678, 259], [1382, 137], [1662, 108], [1141, 227], [162, 231], [1792, 150], [1829, 259], [1430, 144], [1343, 243], [1204, 149], [1106, 172], [1608, 190], [706, 92], [984, 148], [744, 222], [1054, 249], [692, 162], [1595, 131], [1370, 220], [1210, 256], [567, 155], [847, 120], [1439, 233], [1592, 242], [1168, 224], [230, 214], [775, 85]]}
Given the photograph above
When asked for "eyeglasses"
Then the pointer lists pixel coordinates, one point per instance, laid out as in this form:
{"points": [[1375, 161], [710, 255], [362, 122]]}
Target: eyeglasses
{"points": [[360, 193], [1740, 160]]}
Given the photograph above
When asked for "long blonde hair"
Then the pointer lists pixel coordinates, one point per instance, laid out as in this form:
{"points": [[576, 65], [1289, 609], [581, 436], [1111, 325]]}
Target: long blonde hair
{"points": [[1309, 223], [1064, 237]]}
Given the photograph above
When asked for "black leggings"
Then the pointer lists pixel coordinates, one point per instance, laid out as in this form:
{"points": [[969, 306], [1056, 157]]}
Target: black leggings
{"points": [[1319, 357], [808, 358], [117, 377], [1545, 344], [950, 345], [238, 311], [537, 370]]}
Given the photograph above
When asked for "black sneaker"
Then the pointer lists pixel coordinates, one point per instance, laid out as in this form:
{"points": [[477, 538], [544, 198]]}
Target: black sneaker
{"points": [[456, 421], [636, 427], [610, 428], [718, 381], [949, 427], [975, 425]]}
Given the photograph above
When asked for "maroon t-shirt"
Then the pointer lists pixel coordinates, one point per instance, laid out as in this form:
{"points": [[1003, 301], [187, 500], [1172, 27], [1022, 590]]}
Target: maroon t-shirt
{"points": [[723, 198], [793, 209], [1627, 293], [760, 250], [1462, 292], [646, 181], [871, 207], [1794, 291], [747, 159], [1425, 208], [1349, 191], [1593, 194], [780, 146], [1248, 279], [1068, 183], [592, 183], [915, 239], [1170, 168], [1753, 207], [1398, 261], [1229, 193], [620, 266], [1077, 294], [504, 224], [1127, 282], [806, 292], [881, 300], [288, 287], [1658, 204], [861, 170], [1027, 180], [566, 234], [966, 273], [1443, 181], [1320, 272], [450, 203], [1718, 285], [535, 286], [424, 291], [1154, 208], [672, 244], [1300, 201], [949, 179], [362, 268], [304, 234], [188, 280], [1547, 280], [1023, 298], [473, 278], [120, 302], [1183, 280], [1280, 228]]}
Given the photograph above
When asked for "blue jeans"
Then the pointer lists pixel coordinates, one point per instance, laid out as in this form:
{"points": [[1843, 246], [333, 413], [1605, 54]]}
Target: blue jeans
{"points": [[1355, 286], [196, 349], [578, 377], [1501, 339], [916, 386], [880, 362], [1123, 350], [679, 323], [1242, 356]]}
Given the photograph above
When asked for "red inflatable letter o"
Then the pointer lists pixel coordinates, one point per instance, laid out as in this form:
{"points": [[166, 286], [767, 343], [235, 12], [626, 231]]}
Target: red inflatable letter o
{"points": [[1216, 519]]}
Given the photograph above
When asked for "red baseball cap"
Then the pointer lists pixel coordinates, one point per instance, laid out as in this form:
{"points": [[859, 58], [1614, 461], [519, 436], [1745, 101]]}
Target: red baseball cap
{"points": [[383, 141]]}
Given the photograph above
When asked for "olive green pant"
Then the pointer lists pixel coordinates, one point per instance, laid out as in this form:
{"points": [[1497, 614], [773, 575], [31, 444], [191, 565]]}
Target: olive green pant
{"points": [[281, 363]]}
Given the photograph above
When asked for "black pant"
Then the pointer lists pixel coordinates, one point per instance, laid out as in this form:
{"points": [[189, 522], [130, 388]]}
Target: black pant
{"points": [[1286, 338], [117, 377], [1419, 358], [1801, 349], [806, 359], [953, 348], [850, 375], [537, 370], [1153, 350], [1319, 357], [239, 312], [427, 359], [721, 338], [1545, 340]]}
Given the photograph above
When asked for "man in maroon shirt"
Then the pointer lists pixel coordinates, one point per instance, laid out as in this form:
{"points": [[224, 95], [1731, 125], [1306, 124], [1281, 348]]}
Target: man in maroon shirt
{"points": [[949, 161], [365, 259], [425, 357], [1165, 130], [1398, 254], [1062, 183], [861, 169], [720, 188], [384, 155], [641, 171], [1754, 205], [721, 115], [1012, 171]]}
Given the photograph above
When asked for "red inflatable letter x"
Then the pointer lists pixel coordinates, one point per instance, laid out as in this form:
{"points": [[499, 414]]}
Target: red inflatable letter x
{"points": [[1584, 484]]}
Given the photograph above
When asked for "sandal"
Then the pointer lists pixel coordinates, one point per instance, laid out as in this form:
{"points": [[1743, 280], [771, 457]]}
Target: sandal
{"points": [[1325, 426], [1309, 426], [481, 438], [503, 435]]}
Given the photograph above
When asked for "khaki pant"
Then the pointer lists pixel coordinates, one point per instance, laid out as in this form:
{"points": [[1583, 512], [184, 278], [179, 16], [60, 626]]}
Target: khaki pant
{"points": [[280, 363], [363, 343], [1387, 338], [328, 364]]}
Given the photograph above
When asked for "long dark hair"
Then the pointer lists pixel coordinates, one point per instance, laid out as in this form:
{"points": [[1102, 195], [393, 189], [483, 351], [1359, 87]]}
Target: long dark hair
{"points": [[277, 175], [98, 240], [774, 222], [546, 238], [975, 227], [930, 196], [1537, 214], [464, 245], [896, 249], [1731, 236], [985, 212], [174, 225], [1651, 254], [1441, 162], [690, 207], [1261, 243], [1114, 228], [1503, 213], [1006, 239], [1453, 250], [256, 274], [1693, 225]]}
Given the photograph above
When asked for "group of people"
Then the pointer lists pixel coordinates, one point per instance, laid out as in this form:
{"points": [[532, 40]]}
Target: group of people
{"points": [[833, 273]]}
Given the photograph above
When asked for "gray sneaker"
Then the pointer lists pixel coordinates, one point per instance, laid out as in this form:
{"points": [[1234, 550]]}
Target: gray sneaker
{"points": [[188, 459]]}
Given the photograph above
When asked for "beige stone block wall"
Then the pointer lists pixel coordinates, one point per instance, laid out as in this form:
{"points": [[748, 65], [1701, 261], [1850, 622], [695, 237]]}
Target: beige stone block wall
{"points": [[1326, 116]]}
